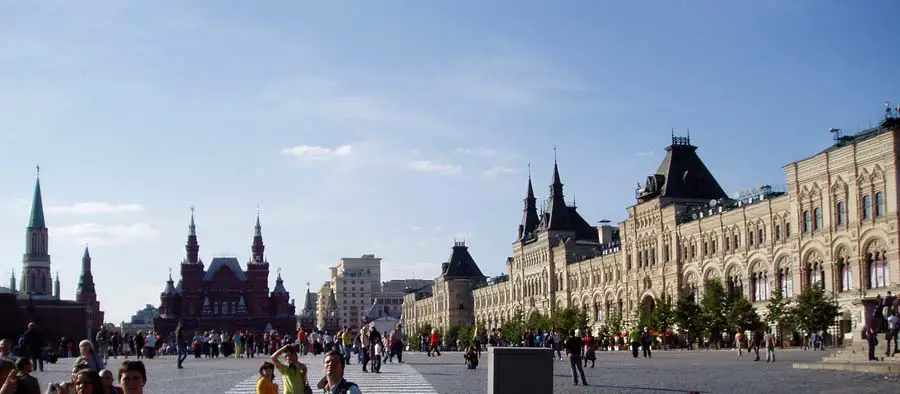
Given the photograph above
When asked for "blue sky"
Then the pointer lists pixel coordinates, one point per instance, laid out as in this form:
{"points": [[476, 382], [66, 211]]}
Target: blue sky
{"points": [[393, 127]]}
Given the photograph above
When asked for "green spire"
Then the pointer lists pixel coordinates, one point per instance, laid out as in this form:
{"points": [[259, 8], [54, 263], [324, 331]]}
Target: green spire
{"points": [[37, 205]]}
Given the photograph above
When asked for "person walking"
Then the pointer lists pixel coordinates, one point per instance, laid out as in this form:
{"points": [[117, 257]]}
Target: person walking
{"points": [[574, 347], [181, 344], [769, 342]]}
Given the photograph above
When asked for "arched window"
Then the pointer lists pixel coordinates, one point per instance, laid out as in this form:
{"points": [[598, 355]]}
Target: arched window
{"points": [[735, 285], [815, 275], [879, 273], [818, 217], [760, 284], [216, 308], [786, 282], [879, 204], [841, 214], [807, 221], [867, 207], [845, 277]]}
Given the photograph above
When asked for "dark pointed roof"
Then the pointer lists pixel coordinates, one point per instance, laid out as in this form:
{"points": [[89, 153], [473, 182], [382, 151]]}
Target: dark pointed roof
{"points": [[530, 219], [557, 214], [461, 265], [310, 299], [37, 206], [222, 262], [681, 175], [332, 301], [170, 287], [86, 281], [279, 286]]}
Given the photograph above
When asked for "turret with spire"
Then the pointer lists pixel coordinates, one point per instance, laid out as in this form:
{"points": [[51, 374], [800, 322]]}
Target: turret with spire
{"points": [[56, 292], [12, 281], [36, 276], [529, 212], [556, 218], [86, 291], [259, 248], [192, 248]]}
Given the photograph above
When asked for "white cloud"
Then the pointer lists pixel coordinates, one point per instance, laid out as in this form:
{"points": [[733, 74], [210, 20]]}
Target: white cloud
{"points": [[88, 208], [436, 168], [101, 234], [645, 154], [478, 151], [312, 152], [497, 171]]}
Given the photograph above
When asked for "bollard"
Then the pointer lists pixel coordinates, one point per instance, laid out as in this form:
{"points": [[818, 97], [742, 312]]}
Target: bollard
{"points": [[517, 370]]}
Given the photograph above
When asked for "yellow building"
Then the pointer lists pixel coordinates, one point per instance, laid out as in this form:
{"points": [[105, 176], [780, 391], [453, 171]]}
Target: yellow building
{"points": [[834, 224]]}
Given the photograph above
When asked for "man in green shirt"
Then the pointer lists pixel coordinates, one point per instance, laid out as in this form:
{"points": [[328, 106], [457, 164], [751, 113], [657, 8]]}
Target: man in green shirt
{"points": [[293, 373], [635, 337]]}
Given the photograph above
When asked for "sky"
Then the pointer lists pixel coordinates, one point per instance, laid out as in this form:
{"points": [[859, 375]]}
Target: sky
{"points": [[396, 127]]}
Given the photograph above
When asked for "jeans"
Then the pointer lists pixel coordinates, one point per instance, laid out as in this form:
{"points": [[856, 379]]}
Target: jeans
{"points": [[376, 363], [182, 353], [770, 354], [575, 363], [37, 357]]}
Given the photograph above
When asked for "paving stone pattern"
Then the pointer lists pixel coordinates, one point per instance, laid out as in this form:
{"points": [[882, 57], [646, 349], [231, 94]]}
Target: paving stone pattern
{"points": [[668, 372]]}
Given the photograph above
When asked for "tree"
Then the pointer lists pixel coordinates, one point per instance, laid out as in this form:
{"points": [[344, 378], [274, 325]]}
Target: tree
{"points": [[452, 333], [779, 313], [664, 314], [713, 305], [465, 335], [513, 329], [742, 316], [644, 316], [688, 315], [569, 319], [538, 321], [814, 310], [613, 323]]}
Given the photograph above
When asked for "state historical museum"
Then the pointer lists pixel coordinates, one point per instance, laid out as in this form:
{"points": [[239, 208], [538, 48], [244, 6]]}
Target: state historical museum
{"points": [[225, 297]]}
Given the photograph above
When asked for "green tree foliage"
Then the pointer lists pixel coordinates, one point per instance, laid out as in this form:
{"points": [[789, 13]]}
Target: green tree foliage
{"points": [[643, 316], [452, 334], [688, 315], [466, 334], [538, 321], [814, 310], [513, 329], [424, 329], [664, 314], [569, 319], [612, 325], [779, 313], [742, 316], [713, 304]]}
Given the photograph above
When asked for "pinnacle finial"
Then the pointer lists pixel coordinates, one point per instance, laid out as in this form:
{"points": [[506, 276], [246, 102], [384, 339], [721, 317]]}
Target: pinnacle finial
{"points": [[38, 168], [529, 170], [279, 272], [192, 210], [554, 154]]}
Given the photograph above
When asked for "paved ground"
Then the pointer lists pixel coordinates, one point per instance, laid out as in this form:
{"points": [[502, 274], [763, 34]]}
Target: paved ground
{"points": [[615, 372], [668, 372]]}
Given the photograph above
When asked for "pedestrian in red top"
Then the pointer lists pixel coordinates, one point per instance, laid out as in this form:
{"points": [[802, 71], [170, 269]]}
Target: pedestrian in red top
{"points": [[435, 343]]}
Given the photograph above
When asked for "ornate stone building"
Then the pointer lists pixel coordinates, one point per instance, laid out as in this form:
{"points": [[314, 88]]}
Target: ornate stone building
{"points": [[834, 225], [225, 297], [37, 299], [450, 302]]}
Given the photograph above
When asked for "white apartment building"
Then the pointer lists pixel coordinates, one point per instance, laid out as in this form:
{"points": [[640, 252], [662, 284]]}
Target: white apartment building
{"points": [[356, 282]]}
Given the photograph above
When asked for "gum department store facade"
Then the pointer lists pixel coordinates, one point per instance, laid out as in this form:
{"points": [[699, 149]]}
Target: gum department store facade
{"points": [[835, 225]]}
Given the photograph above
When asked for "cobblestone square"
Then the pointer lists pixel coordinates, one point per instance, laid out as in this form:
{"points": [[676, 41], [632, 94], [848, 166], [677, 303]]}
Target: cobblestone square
{"points": [[668, 371]]}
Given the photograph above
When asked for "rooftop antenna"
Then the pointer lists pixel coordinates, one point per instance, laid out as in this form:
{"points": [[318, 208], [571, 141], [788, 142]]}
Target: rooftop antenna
{"points": [[836, 133]]}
